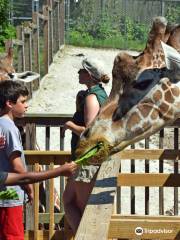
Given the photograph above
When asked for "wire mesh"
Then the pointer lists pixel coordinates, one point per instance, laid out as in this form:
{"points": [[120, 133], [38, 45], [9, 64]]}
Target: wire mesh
{"points": [[115, 23]]}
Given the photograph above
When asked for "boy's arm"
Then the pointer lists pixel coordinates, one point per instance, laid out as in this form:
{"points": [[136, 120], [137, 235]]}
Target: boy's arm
{"points": [[31, 177], [18, 167]]}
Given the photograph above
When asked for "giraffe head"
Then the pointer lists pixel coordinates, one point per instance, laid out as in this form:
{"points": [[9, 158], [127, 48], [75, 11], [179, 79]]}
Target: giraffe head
{"points": [[6, 66], [145, 99]]}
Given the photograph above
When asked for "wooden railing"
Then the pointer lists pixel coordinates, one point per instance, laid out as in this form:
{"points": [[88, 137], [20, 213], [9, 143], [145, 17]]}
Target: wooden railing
{"points": [[103, 224], [50, 159], [108, 182]]}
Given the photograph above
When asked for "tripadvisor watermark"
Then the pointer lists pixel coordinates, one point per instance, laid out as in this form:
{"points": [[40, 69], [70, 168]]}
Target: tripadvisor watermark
{"points": [[140, 231]]}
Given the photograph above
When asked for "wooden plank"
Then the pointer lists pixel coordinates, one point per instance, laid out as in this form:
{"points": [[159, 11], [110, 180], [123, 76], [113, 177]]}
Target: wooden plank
{"points": [[17, 42], [44, 217], [97, 214], [43, 235], [51, 205], [161, 169], [46, 39], [176, 170], [36, 65], [148, 217], [43, 17], [144, 228], [36, 206], [46, 157], [51, 27], [59, 156], [149, 179], [21, 53], [153, 154], [44, 119], [62, 22]]}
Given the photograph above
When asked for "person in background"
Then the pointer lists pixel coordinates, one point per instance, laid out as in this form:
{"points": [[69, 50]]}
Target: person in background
{"points": [[79, 187]]}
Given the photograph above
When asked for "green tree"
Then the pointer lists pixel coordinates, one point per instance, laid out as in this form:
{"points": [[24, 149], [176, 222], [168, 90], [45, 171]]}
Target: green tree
{"points": [[7, 31]]}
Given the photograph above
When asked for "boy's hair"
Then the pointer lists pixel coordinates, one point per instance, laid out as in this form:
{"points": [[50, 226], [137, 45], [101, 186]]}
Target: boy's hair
{"points": [[11, 90]]}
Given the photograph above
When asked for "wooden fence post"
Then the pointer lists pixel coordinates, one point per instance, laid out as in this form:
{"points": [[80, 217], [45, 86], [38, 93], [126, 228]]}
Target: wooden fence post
{"points": [[46, 39], [36, 65], [21, 58], [62, 16], [51, 38], [28, 48], [30, 145]]}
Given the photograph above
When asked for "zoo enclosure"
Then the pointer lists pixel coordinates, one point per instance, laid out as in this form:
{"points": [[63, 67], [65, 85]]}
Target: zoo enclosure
{"points": [[37, 41]]}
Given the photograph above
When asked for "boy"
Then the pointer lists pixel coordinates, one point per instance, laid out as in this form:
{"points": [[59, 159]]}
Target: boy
{"points": [[13, 104]]}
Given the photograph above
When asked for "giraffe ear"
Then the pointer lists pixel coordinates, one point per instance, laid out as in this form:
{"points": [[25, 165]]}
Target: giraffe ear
{"points": [[172, 57]]}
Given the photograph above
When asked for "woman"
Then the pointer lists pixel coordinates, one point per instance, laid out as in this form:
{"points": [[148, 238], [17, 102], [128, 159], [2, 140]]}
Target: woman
{"points": [[79, 187]]}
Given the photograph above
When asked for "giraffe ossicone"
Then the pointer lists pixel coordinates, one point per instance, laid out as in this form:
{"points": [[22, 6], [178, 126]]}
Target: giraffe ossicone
{"points": [[138, 106]]}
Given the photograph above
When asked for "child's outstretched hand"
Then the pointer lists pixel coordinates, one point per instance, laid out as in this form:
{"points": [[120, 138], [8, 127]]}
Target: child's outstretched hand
{"points": [[68, 169]]}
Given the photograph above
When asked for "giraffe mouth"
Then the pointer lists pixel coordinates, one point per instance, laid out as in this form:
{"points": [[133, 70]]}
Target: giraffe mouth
{"points": [[92, 152]]}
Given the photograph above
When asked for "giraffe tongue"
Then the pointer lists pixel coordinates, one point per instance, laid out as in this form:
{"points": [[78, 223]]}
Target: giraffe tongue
{"points": [[83, 160]]}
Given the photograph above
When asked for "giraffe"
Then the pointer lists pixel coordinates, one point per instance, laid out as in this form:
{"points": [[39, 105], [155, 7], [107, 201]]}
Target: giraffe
{"points": [[7, 70], [145, 97]]}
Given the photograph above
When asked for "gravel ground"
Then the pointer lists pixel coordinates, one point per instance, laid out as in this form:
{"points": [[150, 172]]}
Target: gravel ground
{"points": [[57, 95]]}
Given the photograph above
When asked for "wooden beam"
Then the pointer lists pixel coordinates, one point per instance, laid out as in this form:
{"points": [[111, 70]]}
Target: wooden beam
{"points": [[44, 217], [148, 179], [43, 17], [46, 157], [18, 42], [96, 217], [148, 228], [148, 217], [43, 235], [154, 154], [58, 156]]}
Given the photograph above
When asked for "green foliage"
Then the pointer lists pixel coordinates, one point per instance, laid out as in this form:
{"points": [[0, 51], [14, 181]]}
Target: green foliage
{"points": [[173, 14], [9, 194], [4, 12], [7, 31], [102, 32]]}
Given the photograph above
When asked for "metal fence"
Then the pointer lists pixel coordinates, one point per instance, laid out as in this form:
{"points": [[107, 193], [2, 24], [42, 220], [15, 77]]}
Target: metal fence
{"points": [[108, 21], [105, 23]]}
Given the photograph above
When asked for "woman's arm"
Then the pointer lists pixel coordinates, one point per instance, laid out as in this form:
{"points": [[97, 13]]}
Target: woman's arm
{"points": [[91, 109], [77, 129]]}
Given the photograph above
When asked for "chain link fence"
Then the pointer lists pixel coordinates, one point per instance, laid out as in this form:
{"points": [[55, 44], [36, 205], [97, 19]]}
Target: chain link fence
{"points": [[115, 23], [21, 10], [122, 24]]}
